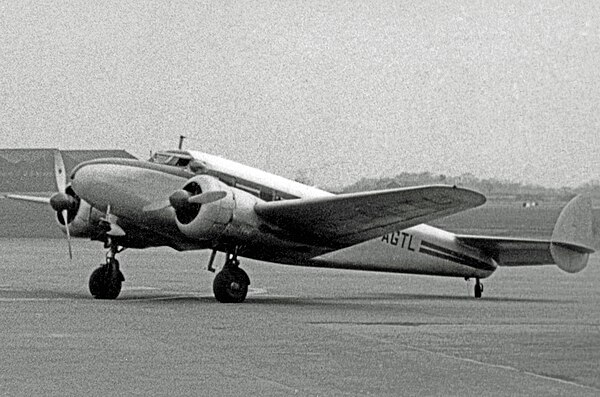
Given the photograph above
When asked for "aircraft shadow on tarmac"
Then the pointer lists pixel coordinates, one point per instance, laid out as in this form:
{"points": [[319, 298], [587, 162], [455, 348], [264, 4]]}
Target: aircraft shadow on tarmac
{"points": [[389, 298], [400, 297], [265, 299]]}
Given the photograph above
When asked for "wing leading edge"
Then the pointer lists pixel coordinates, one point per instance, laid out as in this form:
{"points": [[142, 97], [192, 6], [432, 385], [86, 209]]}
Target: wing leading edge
{"points": [[348, 219]]}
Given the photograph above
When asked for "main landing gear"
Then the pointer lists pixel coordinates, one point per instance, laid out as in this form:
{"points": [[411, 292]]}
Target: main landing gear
{"points": [[231, 283], [105, 282]]}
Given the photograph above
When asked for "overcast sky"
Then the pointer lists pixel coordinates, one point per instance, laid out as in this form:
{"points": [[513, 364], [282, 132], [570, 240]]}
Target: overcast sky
{"points": [[335, 90]]}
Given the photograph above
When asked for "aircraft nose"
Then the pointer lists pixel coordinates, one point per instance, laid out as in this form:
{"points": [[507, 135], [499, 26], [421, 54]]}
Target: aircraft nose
{"points": [[90, 180], [107, 182]]}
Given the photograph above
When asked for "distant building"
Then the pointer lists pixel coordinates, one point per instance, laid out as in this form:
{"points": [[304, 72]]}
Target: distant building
{"points": [[32, 170]]}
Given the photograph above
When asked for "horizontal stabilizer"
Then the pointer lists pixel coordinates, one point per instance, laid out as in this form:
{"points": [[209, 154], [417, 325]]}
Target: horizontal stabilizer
{"points": [[575, 237]]}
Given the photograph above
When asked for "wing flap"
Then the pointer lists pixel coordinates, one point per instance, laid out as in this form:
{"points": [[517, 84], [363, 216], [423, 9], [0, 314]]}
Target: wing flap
{"points": [[348, 219]]}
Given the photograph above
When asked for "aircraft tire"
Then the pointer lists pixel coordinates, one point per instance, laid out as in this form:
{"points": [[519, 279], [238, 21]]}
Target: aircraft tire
{"points": [[231, 285], [105, 283], [478, 290]]}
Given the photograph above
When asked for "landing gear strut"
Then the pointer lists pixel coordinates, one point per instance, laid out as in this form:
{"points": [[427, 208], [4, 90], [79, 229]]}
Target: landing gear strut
{"points": [[231, 284], [478, 288], [105, 282]]}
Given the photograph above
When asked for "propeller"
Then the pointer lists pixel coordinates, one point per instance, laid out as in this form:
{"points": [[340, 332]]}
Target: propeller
{"points": [[208, 197], [181, 200], [61, 202]]}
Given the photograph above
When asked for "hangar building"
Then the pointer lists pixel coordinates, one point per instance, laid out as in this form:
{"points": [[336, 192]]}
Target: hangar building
{"points": [[31, 171]]}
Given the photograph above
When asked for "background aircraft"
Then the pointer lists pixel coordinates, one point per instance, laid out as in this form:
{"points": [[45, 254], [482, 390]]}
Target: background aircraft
{"points": [[191, 200]]}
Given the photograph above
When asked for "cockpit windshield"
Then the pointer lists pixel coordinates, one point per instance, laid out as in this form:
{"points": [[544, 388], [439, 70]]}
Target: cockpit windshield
{"points": [[173, 159]]}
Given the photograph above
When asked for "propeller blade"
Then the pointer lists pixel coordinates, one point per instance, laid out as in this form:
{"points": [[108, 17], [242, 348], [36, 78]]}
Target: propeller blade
{"points": [[157, 205], [65, 219], [180, 197], [208, 197], [60, 201], [60, 172]]}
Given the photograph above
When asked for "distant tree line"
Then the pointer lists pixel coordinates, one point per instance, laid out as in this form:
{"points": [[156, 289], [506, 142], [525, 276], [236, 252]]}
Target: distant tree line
{"points": [[492, 188]]}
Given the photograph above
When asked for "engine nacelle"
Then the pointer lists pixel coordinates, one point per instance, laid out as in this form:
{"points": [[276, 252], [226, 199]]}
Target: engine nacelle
{"points": [[83, 221], [205, 221]]}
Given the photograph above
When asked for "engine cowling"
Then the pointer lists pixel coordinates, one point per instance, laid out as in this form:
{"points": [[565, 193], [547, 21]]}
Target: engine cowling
{"points": [[206, 221]]}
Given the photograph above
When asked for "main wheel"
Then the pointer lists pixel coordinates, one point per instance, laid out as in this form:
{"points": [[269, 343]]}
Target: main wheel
{"points": [[231, 285], [105, 282]]}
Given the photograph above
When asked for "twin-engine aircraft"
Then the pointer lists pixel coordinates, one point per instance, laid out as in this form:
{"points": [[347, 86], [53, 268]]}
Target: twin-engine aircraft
{"points": [[190, 200]]}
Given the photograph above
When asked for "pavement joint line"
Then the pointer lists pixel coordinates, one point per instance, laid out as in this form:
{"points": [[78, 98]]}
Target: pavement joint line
{"points": [[188, 295], [140, 288], [33, 299], [163, 298], [482, 363]]}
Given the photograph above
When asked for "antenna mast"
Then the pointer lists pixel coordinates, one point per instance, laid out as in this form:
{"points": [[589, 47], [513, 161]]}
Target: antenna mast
{"points": [[181, 138]]}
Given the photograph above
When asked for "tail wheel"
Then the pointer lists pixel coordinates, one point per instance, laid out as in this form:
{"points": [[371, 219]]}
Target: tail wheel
{"points": [[478, 289], [231, 285]]}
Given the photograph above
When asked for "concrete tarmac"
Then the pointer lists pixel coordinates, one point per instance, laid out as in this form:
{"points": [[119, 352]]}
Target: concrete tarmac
{"points": [[305, 332]]}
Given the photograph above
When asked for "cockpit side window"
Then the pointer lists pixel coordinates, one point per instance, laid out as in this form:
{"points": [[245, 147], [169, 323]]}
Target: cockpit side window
{"points": [[160, 158], [181, 162]]}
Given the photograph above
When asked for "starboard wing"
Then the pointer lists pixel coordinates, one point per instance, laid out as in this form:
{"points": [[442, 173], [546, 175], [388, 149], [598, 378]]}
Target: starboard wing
{"points": [[348, 219]]}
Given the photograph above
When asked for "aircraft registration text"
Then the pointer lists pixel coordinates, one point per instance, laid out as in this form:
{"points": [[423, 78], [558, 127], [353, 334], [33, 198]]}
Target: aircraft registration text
{"points": [[401, 239]]}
